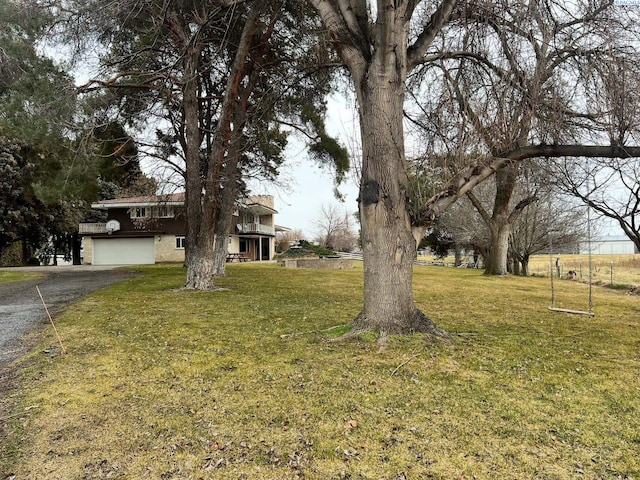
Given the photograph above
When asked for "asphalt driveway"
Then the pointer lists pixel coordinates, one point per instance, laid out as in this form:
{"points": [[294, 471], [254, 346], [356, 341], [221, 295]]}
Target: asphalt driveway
{"points": [[21, 309]]}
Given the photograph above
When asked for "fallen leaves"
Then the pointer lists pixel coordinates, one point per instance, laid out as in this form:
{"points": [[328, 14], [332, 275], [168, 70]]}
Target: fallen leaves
{"points": [[350, 424]]}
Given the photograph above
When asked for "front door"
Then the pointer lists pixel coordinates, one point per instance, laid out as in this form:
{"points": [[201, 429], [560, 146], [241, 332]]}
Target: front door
{"points": [[265, 249]]}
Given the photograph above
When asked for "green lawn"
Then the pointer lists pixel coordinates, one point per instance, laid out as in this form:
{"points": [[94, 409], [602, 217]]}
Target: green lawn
{"points": [[161, 383], [8, 276]]}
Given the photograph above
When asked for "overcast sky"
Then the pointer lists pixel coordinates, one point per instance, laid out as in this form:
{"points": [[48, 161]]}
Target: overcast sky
{"points": [[309, 190], [308, 186]]}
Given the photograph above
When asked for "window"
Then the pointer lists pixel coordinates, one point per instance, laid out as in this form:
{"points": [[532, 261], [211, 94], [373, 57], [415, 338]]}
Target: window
{"points": [[138, 212], [180, 242], [244, 245], [251, 218], [163, 211]]}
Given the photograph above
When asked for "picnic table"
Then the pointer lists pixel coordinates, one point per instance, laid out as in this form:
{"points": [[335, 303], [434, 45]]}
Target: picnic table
{"points": [[236, 257]]}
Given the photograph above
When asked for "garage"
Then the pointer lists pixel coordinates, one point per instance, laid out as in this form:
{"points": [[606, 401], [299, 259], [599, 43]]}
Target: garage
{"points": [[123, 251]]}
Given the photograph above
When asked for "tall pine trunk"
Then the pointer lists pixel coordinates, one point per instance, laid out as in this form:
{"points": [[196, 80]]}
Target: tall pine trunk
{"points": [[228, 191], [199, 220], [210, 200]]}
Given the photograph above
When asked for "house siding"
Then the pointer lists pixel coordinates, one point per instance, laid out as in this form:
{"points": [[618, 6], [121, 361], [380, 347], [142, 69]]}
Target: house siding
{"points": [[174, 225], [164, 230], [166, 251], [87, 250]]}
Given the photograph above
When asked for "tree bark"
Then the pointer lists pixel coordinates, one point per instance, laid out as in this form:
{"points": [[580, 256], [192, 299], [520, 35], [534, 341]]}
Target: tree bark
{"points": [[515, 266], [76, 246], [496, 263], [225, 208], [502, 219], [377, 57], [199, 221], [199, 263], [524, 266], [388, 244], [210, 200]]}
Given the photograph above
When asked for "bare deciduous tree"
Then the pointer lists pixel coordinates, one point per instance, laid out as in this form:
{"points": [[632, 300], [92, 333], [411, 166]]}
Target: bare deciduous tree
{"points": [[379, 44], [552, 222], [335, 229], [519, 80], [608, 186]]}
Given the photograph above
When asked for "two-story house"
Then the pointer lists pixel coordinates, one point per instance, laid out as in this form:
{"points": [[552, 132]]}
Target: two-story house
{"points": [[147, 230]]}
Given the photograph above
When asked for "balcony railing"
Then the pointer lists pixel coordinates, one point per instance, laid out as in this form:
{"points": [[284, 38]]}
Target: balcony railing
{"points": [[92, 228], [258, 228]]}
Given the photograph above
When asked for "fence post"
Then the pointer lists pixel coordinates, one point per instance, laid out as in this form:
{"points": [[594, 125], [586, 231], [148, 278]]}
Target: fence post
{"points": [[611, 272]]}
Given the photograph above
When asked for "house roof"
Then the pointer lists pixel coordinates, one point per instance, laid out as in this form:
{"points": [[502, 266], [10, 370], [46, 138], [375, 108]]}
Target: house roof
{"points": [[256, 204], [258, 208], [169, 199]]}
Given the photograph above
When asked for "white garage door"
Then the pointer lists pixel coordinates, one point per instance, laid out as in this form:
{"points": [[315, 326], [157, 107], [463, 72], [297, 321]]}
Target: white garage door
{"points": [[123, 251]]}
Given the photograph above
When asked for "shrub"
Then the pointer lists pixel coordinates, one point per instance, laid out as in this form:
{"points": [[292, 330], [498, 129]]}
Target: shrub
{"points": [[33, 262], [307, 249]]}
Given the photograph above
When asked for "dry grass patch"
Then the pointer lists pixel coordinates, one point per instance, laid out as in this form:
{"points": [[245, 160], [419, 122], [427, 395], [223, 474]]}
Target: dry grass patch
{"points": [[621, 269], [242, 383]]}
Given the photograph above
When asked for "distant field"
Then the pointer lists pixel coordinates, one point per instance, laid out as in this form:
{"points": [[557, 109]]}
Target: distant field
{"points": [[625, 268], [606, 269]]}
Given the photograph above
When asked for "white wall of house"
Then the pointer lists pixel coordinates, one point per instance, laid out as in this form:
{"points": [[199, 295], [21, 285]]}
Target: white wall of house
{"points": [[234, 244]]}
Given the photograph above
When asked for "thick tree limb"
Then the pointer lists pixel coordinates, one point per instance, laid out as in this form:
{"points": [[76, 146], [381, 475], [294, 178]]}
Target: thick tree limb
{"points": [[475, 201], [522, 204], [439, 18], [350, 9], [592, 151], [475, 174], [353, 50]]}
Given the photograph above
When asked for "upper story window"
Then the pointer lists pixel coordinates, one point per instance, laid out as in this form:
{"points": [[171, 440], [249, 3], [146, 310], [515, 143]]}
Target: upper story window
{"points": [[163, 211], [250, 218], [139, 212]]}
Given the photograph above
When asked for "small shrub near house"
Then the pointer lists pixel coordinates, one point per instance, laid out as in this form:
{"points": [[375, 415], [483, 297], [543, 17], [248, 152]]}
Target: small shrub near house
{"points": [[306, 249]]}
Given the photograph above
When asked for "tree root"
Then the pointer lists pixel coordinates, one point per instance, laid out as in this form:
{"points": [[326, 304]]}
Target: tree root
{"points": [[418, 322], [354, 332], [193, 289]]}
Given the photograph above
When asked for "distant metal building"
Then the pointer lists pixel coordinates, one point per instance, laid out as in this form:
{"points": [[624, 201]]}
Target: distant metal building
{"points": [[611, 245]]}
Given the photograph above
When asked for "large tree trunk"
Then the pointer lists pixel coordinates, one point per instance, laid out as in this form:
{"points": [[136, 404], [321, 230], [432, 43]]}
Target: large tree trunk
{"points": [[501, 221], [377, 55], [228, 192], [199, 222], [210, 200], [497, 260], [388, 244], [199, 263]]}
